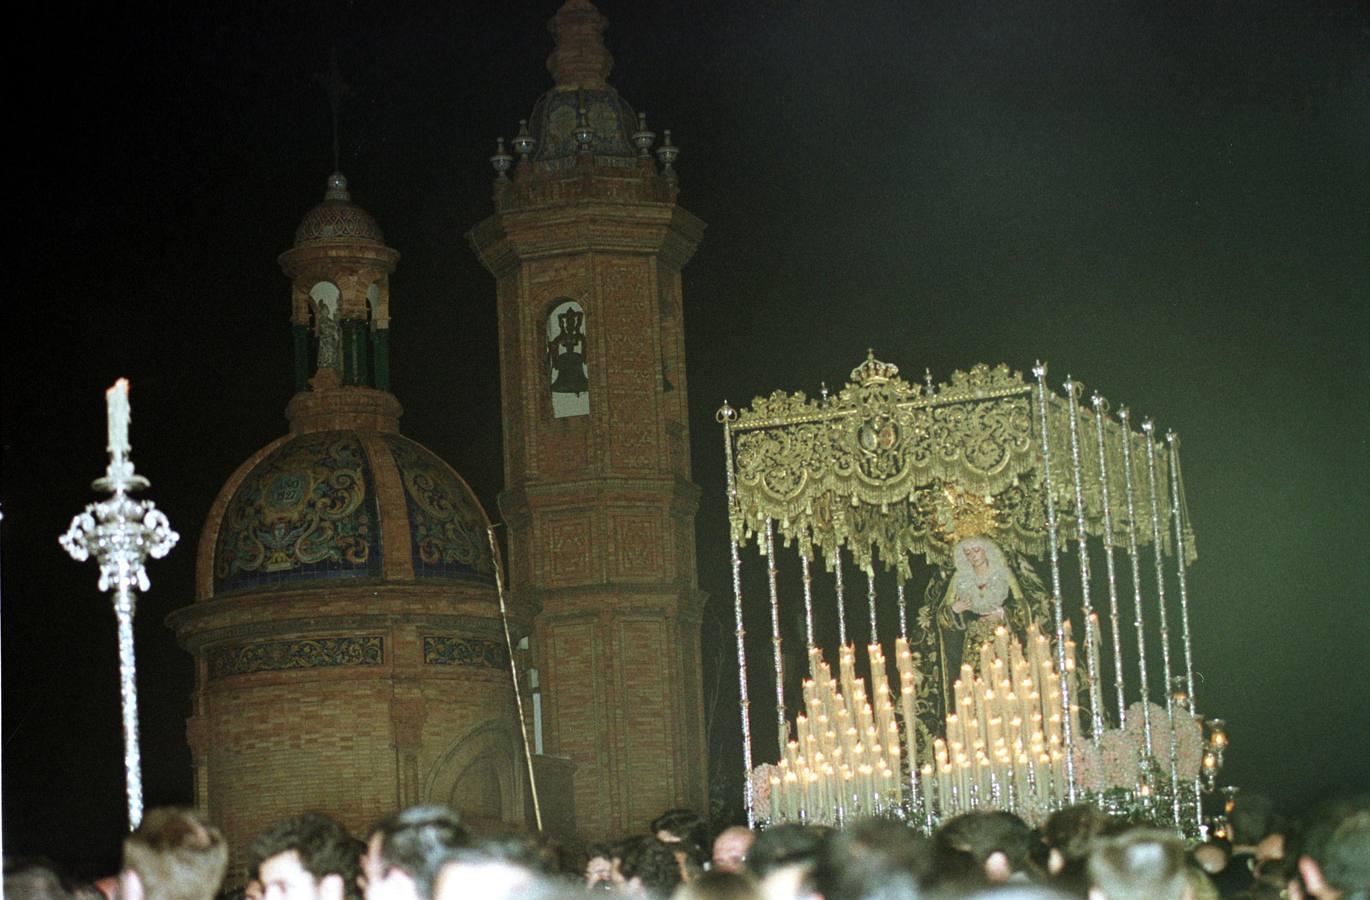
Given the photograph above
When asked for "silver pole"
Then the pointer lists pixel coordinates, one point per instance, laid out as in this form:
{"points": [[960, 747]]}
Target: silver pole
{"points": [[1040, 370], [1173, 441], [1098, 403], [808, 599], [121, 533], [870, 600], [1180, 563], [725, 416], [1139, 618], [841, 601], [1148, 427], [1096, 706], [782, 731], [903, 612]]}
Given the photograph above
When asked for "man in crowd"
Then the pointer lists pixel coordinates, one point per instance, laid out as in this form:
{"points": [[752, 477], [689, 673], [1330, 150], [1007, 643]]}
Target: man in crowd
{"points": [[492, 869], [307, 857], [985, 846], [1333, 851], [174, 855], [1140, 864], [406, 850], [731, 848], [647, 866]]}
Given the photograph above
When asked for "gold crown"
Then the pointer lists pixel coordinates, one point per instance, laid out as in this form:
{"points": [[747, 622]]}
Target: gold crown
{"points": [[961, 514], [873, 371]]}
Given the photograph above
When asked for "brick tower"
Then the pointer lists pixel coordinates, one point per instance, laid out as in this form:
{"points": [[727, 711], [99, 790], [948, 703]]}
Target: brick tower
{"points": [[586, 245], [349, 653]]}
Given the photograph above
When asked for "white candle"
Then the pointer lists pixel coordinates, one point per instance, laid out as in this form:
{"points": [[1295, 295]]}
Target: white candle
{"points": [[116, 408]]}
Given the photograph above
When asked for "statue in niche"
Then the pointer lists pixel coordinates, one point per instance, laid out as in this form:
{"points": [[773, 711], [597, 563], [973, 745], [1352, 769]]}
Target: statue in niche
{"points": [[566, 352], [569, 374], [330, 336]]}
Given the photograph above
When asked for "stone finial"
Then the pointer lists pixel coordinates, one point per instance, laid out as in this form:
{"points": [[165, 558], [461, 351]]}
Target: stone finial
{"points": [[579, 59]]}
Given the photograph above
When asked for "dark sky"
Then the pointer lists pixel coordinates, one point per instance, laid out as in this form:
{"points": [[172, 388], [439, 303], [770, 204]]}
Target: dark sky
{"points": [[1166, 200]]}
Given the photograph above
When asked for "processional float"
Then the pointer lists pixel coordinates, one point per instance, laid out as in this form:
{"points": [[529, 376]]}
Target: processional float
{"points": [[965, 490]]}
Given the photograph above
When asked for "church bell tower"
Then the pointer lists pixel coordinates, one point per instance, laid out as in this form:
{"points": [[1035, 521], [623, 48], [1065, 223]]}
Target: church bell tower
{"points": [[586, 245]]}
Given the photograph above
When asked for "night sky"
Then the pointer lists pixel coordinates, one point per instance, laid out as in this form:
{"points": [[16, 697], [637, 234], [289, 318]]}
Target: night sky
{"points": [[1168, 201]]}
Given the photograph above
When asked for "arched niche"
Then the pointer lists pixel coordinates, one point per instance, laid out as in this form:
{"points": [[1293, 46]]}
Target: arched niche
{"points": [[477, 776]]}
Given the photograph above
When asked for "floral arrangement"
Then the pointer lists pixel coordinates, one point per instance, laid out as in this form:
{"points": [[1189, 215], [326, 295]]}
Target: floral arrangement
{"points": [[761, 790], [1114, 762]]}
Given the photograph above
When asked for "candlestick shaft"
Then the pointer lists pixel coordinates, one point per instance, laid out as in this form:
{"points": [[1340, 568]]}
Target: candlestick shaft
{"points": [[128, 695]]}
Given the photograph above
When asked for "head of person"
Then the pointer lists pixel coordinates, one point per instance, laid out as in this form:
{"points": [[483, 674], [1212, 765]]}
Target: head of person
{"points": [[405, 851], [874, 859], [1332, 850], [599, 867], [34, 877], [999, 844], [305, 857], [788, 844], [731, 848], [173, 855], [1140, 864], [492, 869], [1069, 835], [716, 885], [675, 825], [647, 867], [1250, 820]]}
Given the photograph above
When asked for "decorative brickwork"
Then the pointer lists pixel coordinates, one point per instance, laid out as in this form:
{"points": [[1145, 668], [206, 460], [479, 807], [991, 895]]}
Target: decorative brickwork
{"points": [[458, 651], [275, 656]]}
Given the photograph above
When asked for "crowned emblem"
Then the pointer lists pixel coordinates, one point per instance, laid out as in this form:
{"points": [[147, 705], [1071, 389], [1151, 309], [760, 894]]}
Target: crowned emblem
{"points": [[873, 371]]}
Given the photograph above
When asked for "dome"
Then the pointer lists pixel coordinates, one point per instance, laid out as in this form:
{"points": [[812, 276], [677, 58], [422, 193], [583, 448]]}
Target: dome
{"points": [[555, 117], [337, 218], [346, 507]]}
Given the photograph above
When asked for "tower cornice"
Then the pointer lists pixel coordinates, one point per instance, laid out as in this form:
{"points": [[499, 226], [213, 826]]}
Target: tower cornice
{"points": [[507, 238]]}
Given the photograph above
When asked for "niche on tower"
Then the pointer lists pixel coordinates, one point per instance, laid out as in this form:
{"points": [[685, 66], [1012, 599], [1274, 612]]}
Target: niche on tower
{"points": [[567, 371]]}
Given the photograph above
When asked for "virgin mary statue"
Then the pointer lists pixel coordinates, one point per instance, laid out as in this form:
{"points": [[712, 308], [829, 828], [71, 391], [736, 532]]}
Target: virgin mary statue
{"points": [[982, 593]]}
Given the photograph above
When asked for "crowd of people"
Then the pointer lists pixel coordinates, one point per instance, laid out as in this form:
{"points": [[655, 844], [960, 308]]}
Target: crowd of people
{"points": [[426, 853]]}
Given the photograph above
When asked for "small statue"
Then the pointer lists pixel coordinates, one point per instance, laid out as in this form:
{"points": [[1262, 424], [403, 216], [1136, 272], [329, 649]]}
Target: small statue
{"points": [[330, 337], [566, 354]]}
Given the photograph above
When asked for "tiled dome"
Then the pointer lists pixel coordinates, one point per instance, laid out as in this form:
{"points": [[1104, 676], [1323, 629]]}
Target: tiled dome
{"points": [[337, 218], [336, 506]]}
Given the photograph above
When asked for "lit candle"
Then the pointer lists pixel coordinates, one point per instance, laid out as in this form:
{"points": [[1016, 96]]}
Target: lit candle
{"points": [[116, 409]]}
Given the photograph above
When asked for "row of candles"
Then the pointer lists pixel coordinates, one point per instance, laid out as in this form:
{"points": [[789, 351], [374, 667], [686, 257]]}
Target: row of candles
{"points": [[851, 754]]}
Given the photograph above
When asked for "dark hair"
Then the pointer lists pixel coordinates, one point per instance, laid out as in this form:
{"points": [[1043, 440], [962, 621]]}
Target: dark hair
{"points": [[1250, 818], [981, 834], [1072, 832], [323, 846], [786, 844], [719, 886], [685, 824], [651, 862], [873, 859], [418, 840], [176, 855]]}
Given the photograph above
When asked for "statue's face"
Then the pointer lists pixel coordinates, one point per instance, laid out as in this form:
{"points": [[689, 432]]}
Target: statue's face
{"points": [[975, 555]]}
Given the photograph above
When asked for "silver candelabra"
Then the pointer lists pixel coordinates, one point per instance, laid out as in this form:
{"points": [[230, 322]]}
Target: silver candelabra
{"points": [[121, 533]]}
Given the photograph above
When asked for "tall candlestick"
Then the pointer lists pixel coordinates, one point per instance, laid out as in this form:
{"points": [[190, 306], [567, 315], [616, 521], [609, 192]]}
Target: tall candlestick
{"points": [[121, 533]]}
